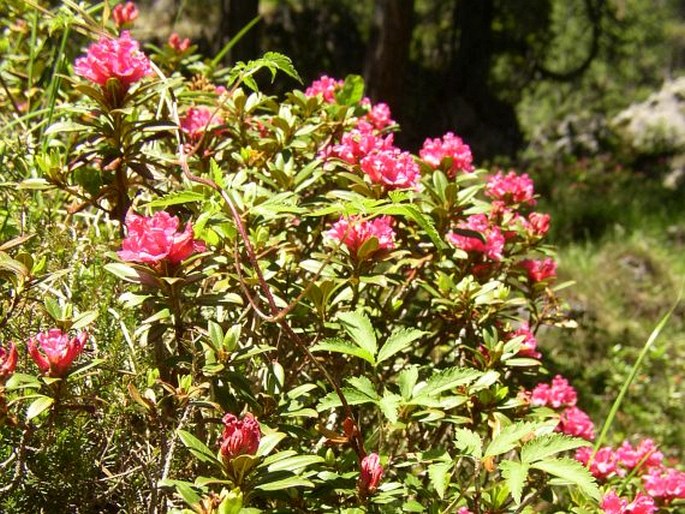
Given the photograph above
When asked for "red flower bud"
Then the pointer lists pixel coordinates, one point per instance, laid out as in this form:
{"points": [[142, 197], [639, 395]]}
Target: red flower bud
{"points": [[240, 437], [54, 352], [371, 474], [8, 361]]}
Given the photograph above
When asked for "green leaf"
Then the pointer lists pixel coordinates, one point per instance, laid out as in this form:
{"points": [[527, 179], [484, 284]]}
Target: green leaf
{"points": [[122, 271], [469, 442], [196, 447], [514, 474], [353, 397], [389, 405], [341, 346], [268, 442], [352, 91], [39, 405], [296, 462], [416, 216], [285, 483], [359, 328], [276, 61], [84, 319], [445, 380], [548, 445], [510, 436], [440, 475], [570, 470], [177, 198], [399, 340], [365, 386], [188, 494], [406, 380]]}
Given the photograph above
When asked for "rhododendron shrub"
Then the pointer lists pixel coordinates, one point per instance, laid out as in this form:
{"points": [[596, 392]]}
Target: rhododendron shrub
{"points": [[286, 311]]}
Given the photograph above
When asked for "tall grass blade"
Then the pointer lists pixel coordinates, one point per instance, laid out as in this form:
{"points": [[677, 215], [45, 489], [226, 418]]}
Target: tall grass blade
{"points": [[234, 40], [633, 373]]}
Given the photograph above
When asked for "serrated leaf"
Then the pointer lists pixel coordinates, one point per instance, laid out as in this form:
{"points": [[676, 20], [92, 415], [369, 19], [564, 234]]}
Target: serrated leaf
{"points": [[341, 346], [514, 474], [389, 405], [406, 380], [353, 397], [359, 328], [38, 406], [571, 471], [445, 380], [177, 198], [365, 386], [469, 442], [399, 340], [548, 445], [510, 436], [439, 475]]}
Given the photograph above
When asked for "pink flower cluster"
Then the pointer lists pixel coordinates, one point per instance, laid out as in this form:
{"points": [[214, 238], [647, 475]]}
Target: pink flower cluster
{"points": [[537, 224], [493, 245], [119, 59], [151, 240], [665, 483], [240, 436], [641, 504], [198, 120], [608, 462], [378, 117], [53, 351], [511, 188], [448, 153], [529, 344], [177, 44], [561, 395], [124, 14], [326, 87], [371, 474], [539, 269], [8, 361], [353, 232]]}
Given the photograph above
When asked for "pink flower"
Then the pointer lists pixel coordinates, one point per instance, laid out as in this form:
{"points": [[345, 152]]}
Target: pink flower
{"points": [[119, 59], [353, 233], [379, 115], [325, 86], [494, 239], [371, 474], [177, 44], [538, 224], [642, 504], [359, 143], [153, 239], [511, 188], [198, 120], [448, 153], [559, 394], [392, 168], [239, 437], [124, 14], [539, 269], [604, 464], [464, 510], [8, 361], [529, 344], [577, 423], [646, 454], [666, 483], [54, 352]]}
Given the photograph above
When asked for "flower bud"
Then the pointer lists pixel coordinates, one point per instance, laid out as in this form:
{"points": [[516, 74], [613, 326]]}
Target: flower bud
{"points": [[8, 361], [371, 474], [240, 437], [53, 351]]}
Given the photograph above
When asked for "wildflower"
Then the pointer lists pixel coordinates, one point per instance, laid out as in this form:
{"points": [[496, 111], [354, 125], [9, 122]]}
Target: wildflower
{"points": [[154, 239], [493, 245], [666, 483], [577, 423], [371, 474], [559, 394], [604, 464], [539, 269], [449, 153], [119, 59], [392, 168], [353, 233], [239, 437], [537, 224], [326, 87], [511, 188], [360, 143], [645, 454], [197, 120], [529, 344], [53, 351], [177, 44], [124, 14], [642, 504], [379, 115], [8, 361]]}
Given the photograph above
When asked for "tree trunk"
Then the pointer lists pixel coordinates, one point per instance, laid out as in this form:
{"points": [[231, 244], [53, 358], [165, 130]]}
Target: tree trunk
{"points": [[235, 14]]}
